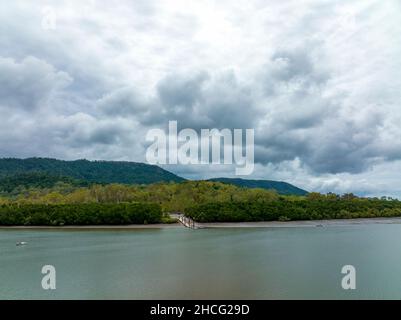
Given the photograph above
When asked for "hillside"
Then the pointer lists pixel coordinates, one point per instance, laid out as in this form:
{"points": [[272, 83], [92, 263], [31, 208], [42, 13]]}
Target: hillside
{"points": [[46, 173], [84, 170], [283, 188], [18, 182]]}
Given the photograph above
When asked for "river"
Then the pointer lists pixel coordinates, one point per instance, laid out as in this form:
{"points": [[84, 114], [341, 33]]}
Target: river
{"points": [[226, 263]]}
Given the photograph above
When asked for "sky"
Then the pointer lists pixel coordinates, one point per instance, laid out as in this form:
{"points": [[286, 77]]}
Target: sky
{"points": [[319, 81]]}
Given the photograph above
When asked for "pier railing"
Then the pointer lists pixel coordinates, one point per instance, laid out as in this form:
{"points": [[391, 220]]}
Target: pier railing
{"points": [[187, 222]]}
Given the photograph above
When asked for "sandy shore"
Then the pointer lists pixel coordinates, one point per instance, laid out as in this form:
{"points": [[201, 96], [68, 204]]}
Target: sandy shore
{"points": [[262, 224], [304, 223]]}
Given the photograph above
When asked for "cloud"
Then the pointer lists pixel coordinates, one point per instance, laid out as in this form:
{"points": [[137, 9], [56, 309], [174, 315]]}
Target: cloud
{"points": [[123, 102], [318, 82], [196, 101], [29, 84], [205, 101]]}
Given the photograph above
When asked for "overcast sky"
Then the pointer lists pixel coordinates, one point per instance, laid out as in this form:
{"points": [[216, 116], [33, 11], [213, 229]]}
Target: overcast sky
{"points": [[319, 81]]}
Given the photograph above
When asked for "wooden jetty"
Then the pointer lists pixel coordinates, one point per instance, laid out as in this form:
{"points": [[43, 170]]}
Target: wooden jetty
{"points": [[187, 222]]}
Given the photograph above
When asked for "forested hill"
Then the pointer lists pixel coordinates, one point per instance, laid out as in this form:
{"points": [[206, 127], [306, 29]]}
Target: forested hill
{"points": [[20, 174], [281, 187], [17, 183], [84, 170]]}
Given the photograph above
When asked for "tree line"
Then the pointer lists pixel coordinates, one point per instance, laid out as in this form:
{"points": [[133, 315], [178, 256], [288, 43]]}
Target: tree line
{"points": [[287, 210], [79, 214], [205, 201], [172, 197]]}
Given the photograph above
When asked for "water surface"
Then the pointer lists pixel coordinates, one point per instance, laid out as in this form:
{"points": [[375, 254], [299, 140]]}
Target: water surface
{"points": [[178, 263]]}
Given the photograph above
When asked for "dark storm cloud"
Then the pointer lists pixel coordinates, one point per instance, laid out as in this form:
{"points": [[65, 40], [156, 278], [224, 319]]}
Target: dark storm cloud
{"points": [[206, 101], [178, 91], [98, 136], [293, 120], [304, 123], [294, 70], [195, 101], [322, 97]]}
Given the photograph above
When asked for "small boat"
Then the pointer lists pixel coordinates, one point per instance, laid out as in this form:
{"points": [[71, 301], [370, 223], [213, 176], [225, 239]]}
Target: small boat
{"points": [[22, 243], [319, 225]]}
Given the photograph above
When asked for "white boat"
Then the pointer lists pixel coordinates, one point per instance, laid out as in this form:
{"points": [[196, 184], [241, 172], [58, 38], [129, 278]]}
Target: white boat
{"points": [[22, 243]]}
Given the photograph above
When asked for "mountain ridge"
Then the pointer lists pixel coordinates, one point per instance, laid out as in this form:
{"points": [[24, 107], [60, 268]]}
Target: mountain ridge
{"points": [[281, 187], [91, 171], [46, 172]]}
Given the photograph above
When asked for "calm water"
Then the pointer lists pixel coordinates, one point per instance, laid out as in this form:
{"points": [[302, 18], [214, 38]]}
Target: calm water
{"points": [[179, 263]]}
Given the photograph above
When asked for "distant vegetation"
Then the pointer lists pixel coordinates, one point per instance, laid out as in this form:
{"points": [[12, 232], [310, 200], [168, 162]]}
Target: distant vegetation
{"points": [[14, 184], [284, 209], [17, 175], [88, 171], [204, 201], [79, 214], [52, 192], [281, 187], [172, 197]]}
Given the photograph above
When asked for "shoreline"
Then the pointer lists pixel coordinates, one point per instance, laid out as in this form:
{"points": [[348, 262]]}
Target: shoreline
{"points": [[302, 223], [216, 225]]}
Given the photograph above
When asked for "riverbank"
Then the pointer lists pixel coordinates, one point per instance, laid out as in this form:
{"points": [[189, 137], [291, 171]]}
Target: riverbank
{"points": [[303, 223], [261, 224]]}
